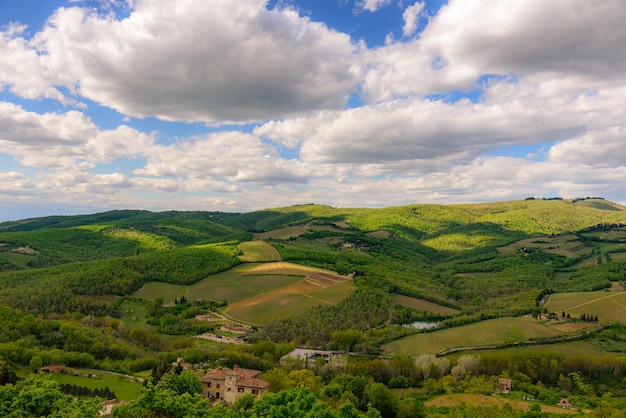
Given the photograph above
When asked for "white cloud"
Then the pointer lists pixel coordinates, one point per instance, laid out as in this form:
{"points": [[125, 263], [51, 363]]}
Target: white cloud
{"points": [[555, 39], [200, 61], [413, 136], [371, 5], [234, 156], [410, 16], [64, 139]]}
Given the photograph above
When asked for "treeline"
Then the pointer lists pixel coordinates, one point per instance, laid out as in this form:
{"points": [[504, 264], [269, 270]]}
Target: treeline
{"points": [[82, 391]]}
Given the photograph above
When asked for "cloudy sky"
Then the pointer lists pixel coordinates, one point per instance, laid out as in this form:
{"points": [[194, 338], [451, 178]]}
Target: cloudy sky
{"points": [[237, 105]]}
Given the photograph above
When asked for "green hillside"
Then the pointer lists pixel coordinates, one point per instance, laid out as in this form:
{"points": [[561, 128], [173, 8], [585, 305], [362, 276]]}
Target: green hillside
{"points": [[128, 291]]}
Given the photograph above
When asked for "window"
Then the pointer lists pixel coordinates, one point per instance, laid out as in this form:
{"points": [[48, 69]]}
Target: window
{"points": [[240, 390], [208, 385], [255, 391], [217, 385]]}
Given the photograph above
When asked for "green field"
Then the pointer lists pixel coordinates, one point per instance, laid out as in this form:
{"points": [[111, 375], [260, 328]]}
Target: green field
{"points": [[283, 233], [607, 306], [124, 388], [134, 314], [257, 252], [484, 333], [291, 300], [423, 305], [241, 282], [565, 245]]}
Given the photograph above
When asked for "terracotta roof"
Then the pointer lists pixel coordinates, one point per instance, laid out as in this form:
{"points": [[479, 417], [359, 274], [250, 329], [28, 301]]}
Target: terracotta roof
{"points": [[252, 383], [220, 374]]}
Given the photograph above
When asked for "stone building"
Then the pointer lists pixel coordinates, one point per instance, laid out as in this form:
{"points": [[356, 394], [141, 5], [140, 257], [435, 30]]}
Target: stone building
{"points": [[228, 385]]}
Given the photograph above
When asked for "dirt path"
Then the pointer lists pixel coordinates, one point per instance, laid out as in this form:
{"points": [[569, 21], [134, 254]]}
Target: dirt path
{"points": [[595, 300]]}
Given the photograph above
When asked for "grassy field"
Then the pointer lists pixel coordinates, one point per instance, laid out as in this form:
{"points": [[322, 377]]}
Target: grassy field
{"points": [[283, 233], [284, 267], [241, 282], [484, 333], [124, 388], [423, 305], [134, 314], [487, 401], [607, 306], [566, 245], [257, 252], [318, 288]]}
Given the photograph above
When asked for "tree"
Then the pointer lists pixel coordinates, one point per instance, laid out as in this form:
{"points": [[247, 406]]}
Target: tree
{"points": [[7, 374], [35, 364], [185, 382], [39, 396], [381, 398]]}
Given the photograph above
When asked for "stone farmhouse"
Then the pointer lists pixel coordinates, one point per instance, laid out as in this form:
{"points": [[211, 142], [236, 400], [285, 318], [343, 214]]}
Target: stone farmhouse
{"points": [[229, 385]]}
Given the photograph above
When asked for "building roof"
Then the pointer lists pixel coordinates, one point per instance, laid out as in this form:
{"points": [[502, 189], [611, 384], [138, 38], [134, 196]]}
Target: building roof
{"points": [[252, 383], [221, 373]]}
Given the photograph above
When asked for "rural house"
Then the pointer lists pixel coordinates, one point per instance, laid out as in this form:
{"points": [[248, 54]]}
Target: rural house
{"points": [[228, 385], [505, 385]]}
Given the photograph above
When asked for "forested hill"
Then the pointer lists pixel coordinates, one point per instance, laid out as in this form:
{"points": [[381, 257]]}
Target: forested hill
{"points": [[71, 263]]}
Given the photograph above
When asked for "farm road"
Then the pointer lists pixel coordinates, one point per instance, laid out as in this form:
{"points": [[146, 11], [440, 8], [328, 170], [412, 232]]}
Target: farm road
{"points": [[597, 300]]}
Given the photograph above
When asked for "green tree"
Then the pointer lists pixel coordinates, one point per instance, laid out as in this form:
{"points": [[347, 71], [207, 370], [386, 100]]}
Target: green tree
{"points": [[35, 364], [381, 398], [185, 382]]}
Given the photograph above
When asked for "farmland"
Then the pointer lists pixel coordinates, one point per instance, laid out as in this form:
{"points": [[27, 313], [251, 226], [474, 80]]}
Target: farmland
{"points": [[291, 300], [607, 306], [241, 282], [484, 333], [97, 291], [257, 252], [423, 305]]}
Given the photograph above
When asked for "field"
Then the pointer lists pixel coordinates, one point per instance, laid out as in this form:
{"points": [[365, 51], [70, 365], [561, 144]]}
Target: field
{"points": [[16, 258], [294, 299], [124, 388], [240, 282], [486, 401], [484, 333], [258, 293], [423, 305], [566, 245], [134, 314], [257, 252], [283, 233], [607, 306]]}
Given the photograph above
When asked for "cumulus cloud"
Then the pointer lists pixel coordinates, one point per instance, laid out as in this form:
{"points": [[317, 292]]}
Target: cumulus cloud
{"points": [[576, 39], [230, 155], [199, 61], [410, 16], [420, 131], [541, 73], [371, 5], [64, 139]]}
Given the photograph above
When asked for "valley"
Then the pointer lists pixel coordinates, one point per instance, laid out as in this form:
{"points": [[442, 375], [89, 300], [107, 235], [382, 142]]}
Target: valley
{"points": [[504, 282]]}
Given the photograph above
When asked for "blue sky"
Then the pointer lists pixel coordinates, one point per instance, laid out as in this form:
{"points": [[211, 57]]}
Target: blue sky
{"points": [[250, 104]]}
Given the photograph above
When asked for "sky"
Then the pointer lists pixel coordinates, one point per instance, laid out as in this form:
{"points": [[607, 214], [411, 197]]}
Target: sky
{"points": [[239, 105]]}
